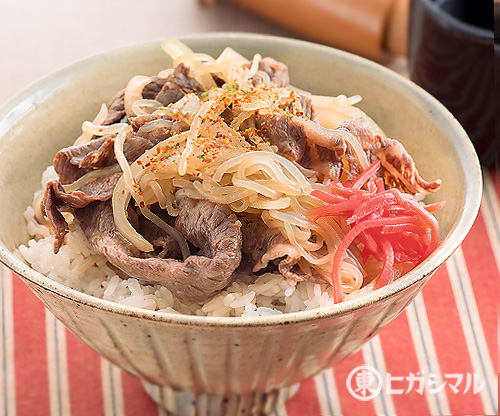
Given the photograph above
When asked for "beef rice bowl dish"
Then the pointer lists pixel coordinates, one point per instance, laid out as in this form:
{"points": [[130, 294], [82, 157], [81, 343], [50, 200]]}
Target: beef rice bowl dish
{"points": [[217, 187]]}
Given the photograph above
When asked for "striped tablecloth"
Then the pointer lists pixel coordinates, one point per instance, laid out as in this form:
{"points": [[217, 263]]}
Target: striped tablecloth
{"points": [[436, 358]]}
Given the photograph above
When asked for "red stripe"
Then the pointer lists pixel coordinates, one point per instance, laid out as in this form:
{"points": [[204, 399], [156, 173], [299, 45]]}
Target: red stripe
{"points": [[84, 376], [449, 341], [401, 361], [305, 401], [30, 346], [350, 405], [135, 399], [484, 275]]}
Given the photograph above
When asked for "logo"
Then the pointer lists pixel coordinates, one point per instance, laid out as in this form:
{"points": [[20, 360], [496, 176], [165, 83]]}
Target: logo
{"points": [[364, 382]]}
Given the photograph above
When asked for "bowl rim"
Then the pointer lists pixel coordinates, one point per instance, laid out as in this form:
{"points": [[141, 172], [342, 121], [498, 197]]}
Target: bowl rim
{"points": [[426, 268]]}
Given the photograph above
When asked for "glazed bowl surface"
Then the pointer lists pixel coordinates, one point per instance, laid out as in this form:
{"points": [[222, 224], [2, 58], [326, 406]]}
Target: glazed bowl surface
{"points": [[248, 358]]}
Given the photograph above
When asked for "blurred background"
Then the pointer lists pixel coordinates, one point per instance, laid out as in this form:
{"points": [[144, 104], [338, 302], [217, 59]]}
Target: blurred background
{"points": [[40, 36]]}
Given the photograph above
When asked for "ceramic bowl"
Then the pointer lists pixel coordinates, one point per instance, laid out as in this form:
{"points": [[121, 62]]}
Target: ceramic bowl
{"points": [[230, 365]]}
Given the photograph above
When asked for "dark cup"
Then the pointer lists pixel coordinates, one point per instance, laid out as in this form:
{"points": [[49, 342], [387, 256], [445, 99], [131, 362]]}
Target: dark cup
{"points": [[452, 55]]}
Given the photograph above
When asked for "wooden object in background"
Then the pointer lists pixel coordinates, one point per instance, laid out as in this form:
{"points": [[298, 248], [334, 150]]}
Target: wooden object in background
{"points": [[370, 28]]}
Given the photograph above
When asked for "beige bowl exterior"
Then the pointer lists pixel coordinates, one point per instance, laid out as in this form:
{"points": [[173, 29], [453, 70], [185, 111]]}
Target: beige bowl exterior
{"points": [[230, 356]]}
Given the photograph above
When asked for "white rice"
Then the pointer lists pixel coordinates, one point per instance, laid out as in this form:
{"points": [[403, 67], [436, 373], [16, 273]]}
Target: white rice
{"points": [[79, 268]]}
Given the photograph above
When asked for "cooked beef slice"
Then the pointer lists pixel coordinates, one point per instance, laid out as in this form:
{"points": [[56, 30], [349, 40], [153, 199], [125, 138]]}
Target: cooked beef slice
{"points": [[324, 161], [166, 90], [308, 144], [213, 228], [361, 130], [152, 89], [307, 107], [277, 71], [138, 121], [71, 163], [154, 136], [74, 162], [399, 170], [165, 245], [262, 245], [303, 141], [286, 134], [56, 219], [177, 85], [116, 109], [169, 96], [55, 200]]}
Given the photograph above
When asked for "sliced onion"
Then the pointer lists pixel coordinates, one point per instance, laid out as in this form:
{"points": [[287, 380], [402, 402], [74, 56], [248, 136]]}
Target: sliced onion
{"points": [[122, 160], [39, 209], [255, 65], [92, 176], [355, 99], [98, 130], [175, 48], [326, 101], [137, 106], [133, 92], [171, 231], [98, 120], [120, 202], [356, 147], [123, 190], [165, 73], [179, 126], [317, 133], [156, 124], [266, 79], [186, 108], [352, 279], [230, 61], [196, 62], [158, 191]]}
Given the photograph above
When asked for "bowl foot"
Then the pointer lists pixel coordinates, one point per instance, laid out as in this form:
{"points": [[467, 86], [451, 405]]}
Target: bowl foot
{"points": [[186, 403]]}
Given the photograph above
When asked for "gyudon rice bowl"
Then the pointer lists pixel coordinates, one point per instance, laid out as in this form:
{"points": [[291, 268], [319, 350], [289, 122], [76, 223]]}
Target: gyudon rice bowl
{"points": [[217, 187], [247, 197]]}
